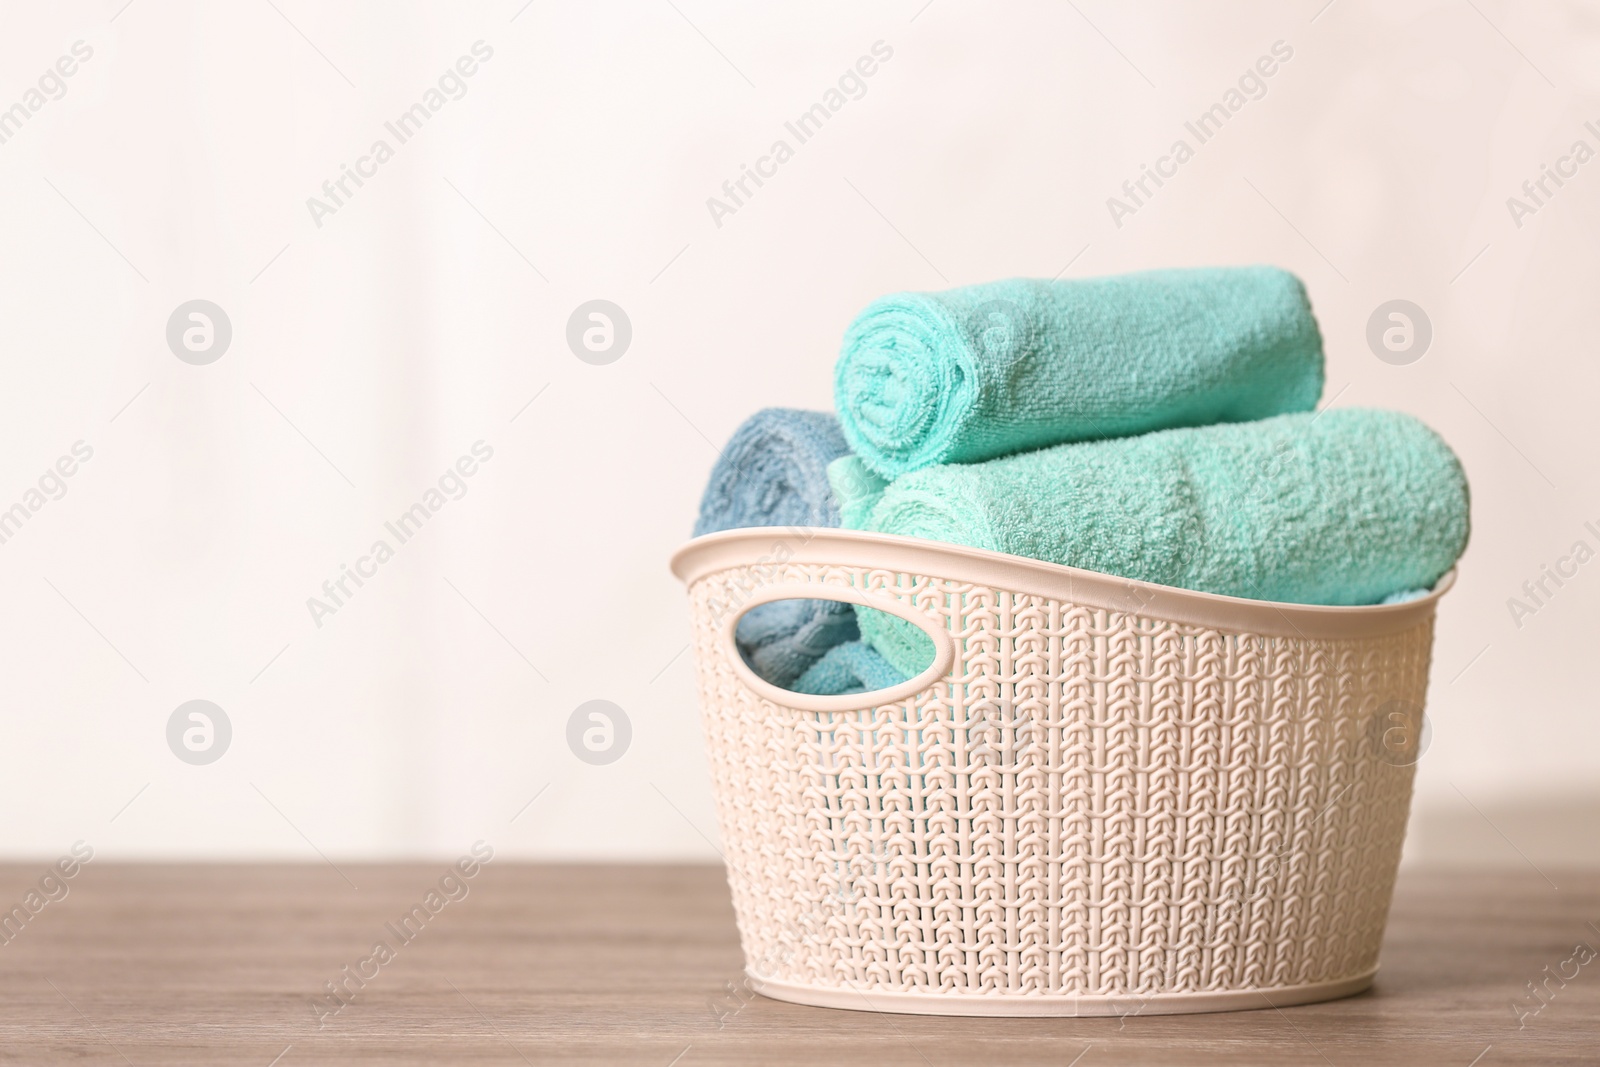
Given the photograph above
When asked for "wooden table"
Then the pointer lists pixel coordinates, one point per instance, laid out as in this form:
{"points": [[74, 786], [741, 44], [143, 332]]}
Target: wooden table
{"points": [[640, 965]]}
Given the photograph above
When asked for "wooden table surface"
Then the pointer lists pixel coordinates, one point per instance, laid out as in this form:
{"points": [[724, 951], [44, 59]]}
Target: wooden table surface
{"points": [[640, 965]]}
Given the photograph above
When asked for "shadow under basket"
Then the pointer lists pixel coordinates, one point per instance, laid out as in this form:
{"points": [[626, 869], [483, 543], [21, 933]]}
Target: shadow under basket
{"points": [[1103, 797]]}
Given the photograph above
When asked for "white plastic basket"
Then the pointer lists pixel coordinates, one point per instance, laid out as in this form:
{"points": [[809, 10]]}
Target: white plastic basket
{"points": [[1102, 798]]}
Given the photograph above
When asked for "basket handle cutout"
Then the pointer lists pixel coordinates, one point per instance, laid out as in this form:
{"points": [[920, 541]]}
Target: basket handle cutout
{"points": [[944, 649]]}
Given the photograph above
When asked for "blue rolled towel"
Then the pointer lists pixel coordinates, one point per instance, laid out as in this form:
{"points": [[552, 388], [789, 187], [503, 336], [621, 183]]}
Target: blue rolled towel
{"points": [[1348, 506], [773, 472], [853, 667], [987, 370], [783, 639]]}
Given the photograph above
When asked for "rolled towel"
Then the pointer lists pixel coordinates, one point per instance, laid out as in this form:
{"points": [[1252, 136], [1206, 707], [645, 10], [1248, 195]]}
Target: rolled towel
{"points": [[983, 371], [783, 639], [773, 472], [856, 488], [848, 668], [1342, 507]]}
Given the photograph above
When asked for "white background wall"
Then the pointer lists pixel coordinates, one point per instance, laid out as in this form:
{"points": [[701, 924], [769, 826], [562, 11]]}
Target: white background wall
{"points": [[372, 351]]}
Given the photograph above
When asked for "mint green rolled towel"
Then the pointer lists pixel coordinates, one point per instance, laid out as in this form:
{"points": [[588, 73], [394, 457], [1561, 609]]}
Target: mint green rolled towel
{"points": [[1343, 507], [987, 370], [856, 489]]}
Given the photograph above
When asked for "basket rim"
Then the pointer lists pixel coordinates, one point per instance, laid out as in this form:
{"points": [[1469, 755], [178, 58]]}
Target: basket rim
{"points": [[757, 545]]}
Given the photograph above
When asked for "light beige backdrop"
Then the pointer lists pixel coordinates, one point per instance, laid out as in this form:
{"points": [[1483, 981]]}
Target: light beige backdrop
{"points": [[375, 343]]}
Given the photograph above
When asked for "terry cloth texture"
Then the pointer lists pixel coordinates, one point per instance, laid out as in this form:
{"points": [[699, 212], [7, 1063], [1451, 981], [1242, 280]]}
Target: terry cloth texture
{"points": [[773, 472], [1348, 506], [987, 370], [852, 667]]}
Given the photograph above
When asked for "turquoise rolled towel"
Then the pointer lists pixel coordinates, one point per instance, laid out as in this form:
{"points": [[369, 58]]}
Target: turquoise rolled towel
{"points": [[1343, 507], [988, 370]]}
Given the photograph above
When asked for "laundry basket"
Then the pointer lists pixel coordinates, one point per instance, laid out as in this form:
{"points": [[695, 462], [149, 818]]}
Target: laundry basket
{"points": [[1102, 798]]}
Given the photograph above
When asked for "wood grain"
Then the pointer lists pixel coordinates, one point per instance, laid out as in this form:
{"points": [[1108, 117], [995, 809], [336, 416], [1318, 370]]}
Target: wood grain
{"points": [[553, 964]]}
